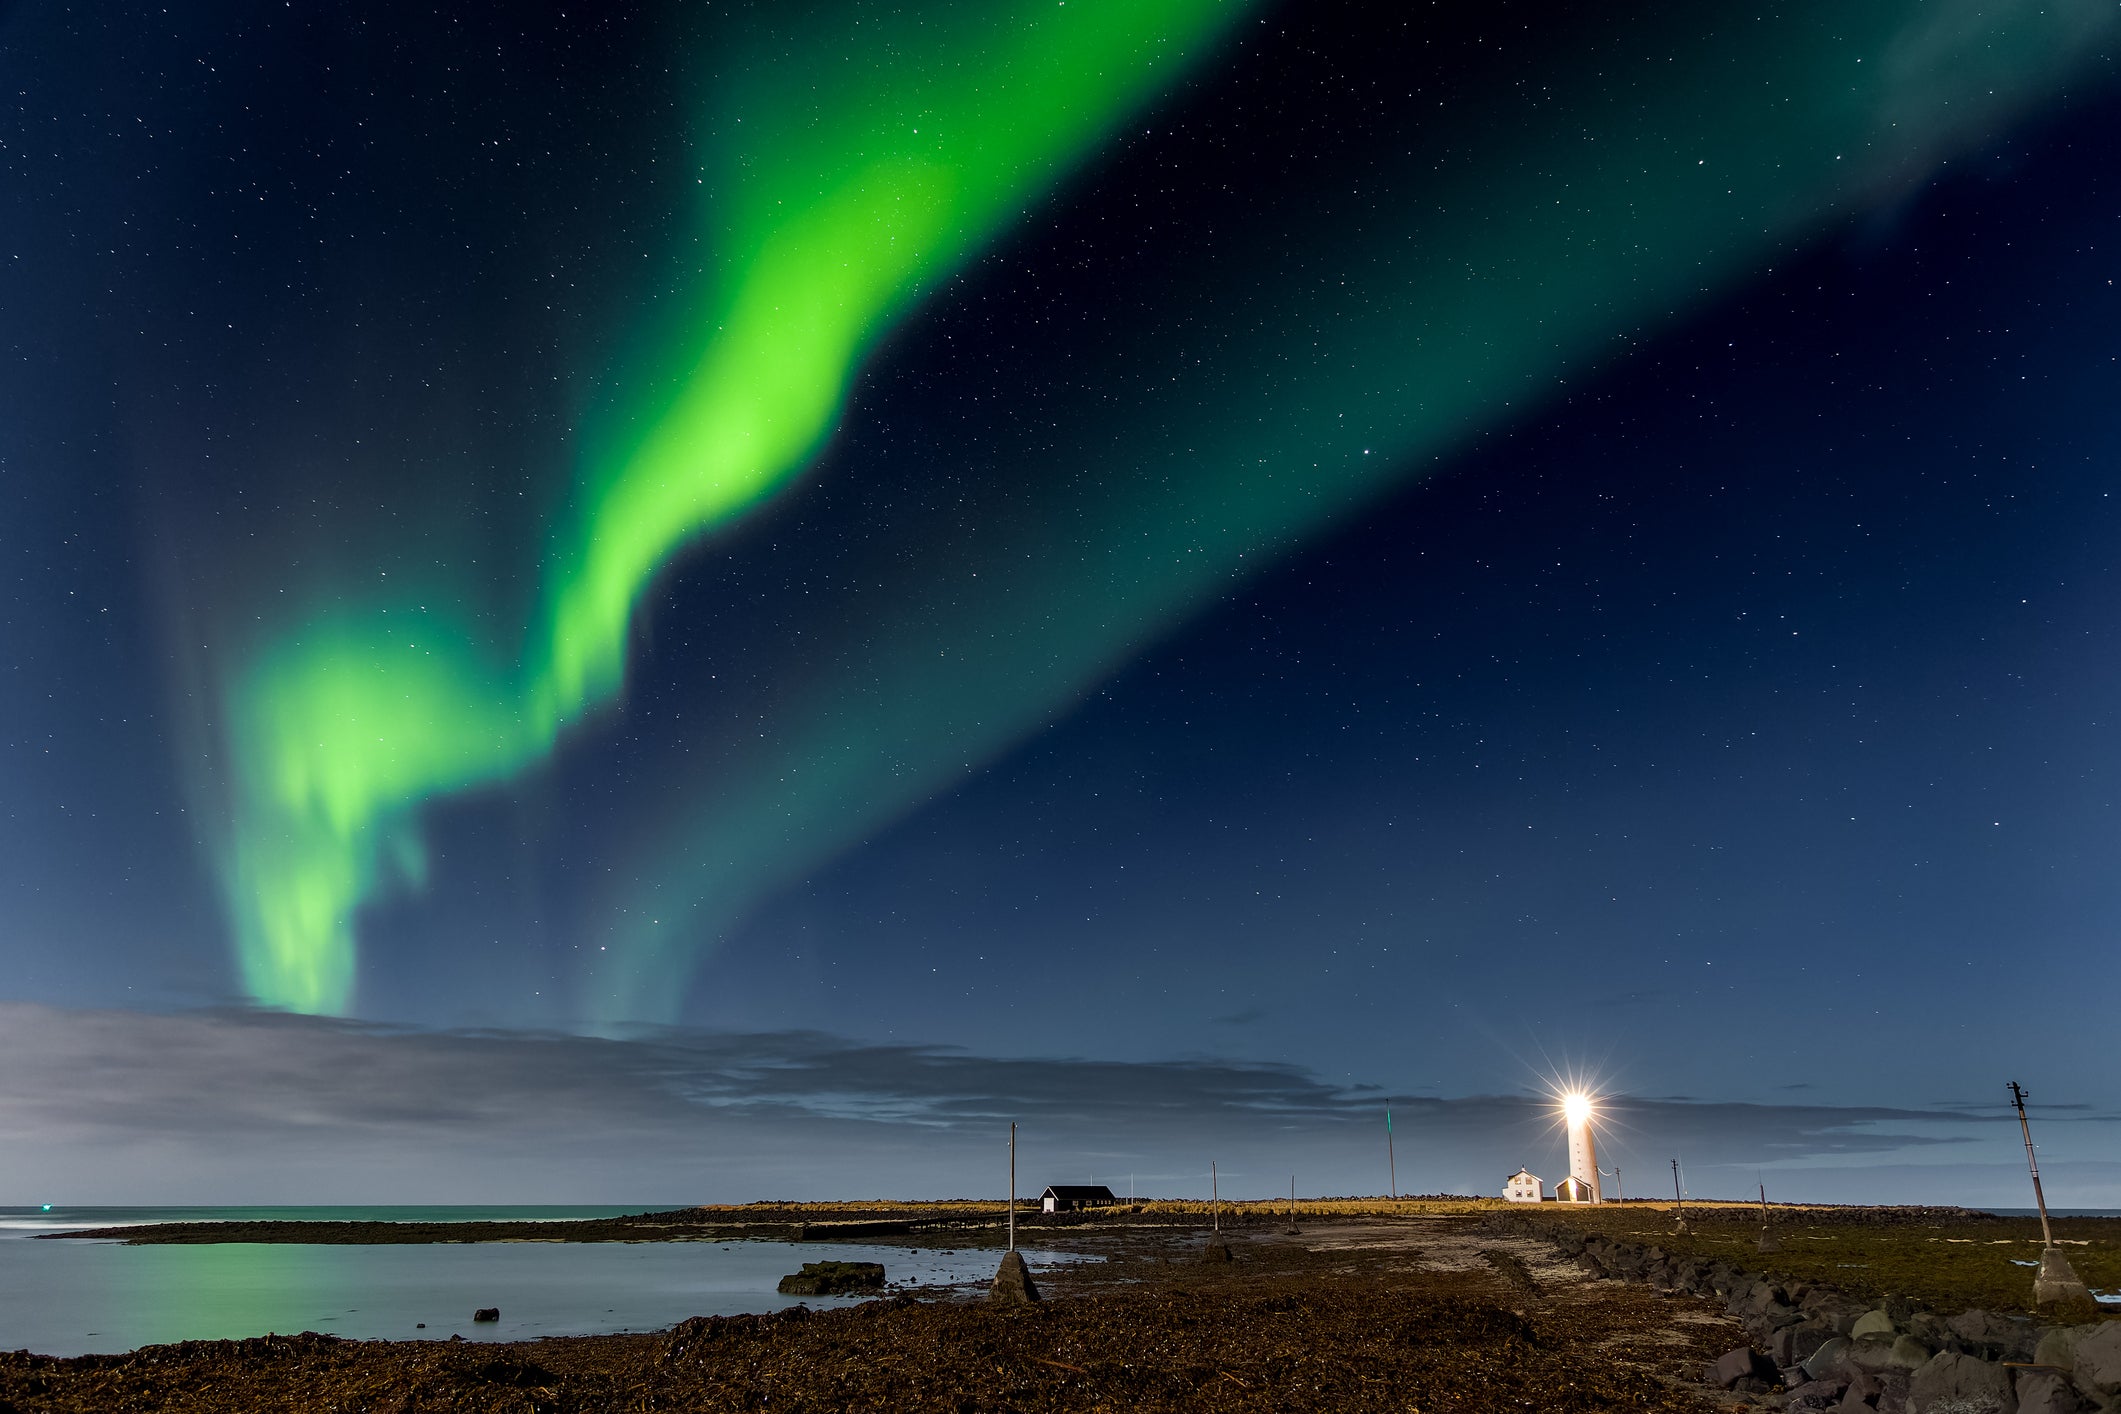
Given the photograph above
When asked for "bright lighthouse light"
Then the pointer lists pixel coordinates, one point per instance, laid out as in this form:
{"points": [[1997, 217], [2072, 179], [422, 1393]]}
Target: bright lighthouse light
{"points": [[1577, 1107]]}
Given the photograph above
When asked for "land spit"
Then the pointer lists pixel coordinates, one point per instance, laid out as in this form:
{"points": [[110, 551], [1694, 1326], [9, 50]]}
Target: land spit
{"points": [[1356, 1315], [1436, 1307]]}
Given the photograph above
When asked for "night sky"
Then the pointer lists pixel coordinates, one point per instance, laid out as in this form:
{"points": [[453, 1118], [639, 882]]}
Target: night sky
{"points": [[733, 597]]}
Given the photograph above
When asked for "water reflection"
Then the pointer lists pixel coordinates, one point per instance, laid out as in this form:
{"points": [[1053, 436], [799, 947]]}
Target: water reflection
{"points": [[71, 1298]]}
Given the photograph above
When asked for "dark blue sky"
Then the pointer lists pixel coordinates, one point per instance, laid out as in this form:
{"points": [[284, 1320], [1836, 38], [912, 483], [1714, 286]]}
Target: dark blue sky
{"points": [[1734, 725]]}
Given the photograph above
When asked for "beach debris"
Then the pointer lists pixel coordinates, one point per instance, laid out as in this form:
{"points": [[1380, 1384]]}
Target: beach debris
{"points": [[1217, 1251], [487, 1313], [833, 1279], [1012, 1281]]}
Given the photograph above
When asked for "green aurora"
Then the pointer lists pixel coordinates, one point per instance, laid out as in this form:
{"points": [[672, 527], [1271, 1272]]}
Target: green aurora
{"points": [[828, 216], [1497, 249], [1540, 232]]}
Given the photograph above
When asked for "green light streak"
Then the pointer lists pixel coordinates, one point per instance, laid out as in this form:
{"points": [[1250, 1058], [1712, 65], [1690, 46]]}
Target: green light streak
{"points": [[1613, 206], [826, 221]]}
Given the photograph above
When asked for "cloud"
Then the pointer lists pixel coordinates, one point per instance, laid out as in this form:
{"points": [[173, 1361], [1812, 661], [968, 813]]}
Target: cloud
{"points": [[242, 1106]]}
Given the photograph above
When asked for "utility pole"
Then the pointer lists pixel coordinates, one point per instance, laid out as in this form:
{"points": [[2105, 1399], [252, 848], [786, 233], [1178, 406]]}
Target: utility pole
{"points": [[1012, 1280], [1678, 1198], [1391, 1162], [2057, 1281], [1767, 1241], [1215, 1196], [1618, 1195]]}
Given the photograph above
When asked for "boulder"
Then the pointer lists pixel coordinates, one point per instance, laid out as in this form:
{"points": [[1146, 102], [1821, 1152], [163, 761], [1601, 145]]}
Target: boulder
{"points": [[1991, 1336], [1961, 1384], [833, 1279], [1814, 1395], [2056, 1347], [1864, 1392], [2045, 1392], [1741, 1364], [1012, 1281], [1793, 1345], [2096, 1362], [1910, 1354], [1829, 1360], [1873, 1323], [487, 1313]]}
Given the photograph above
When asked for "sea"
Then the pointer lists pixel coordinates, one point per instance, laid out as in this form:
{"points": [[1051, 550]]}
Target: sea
{"points": [[81, 1297]]}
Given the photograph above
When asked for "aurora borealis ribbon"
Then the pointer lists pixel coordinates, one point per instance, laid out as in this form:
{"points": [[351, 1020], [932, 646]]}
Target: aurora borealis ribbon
{"points": [[1510, 244], [826, 214]]}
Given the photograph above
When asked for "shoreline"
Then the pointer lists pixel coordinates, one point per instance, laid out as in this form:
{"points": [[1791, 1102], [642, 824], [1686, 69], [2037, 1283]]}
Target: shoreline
{"points": [[1347, 1314]]}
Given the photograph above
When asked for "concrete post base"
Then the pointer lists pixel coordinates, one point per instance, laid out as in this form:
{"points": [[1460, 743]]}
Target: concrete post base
{"points": [[2057, 1283], [1012, 1283]]}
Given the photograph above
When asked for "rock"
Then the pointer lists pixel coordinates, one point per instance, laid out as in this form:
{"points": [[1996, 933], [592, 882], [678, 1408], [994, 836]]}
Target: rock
{"points": [[1873, 1323], [2096, 1362], [1828, 1360], [1777, 1314], [1813, 1395], [1012, 1282], [1793, 1345], [1961, 1384], [1217, 1250], [833, 1279], [1909, 1354], [1863, 1393], [1992, 1336], [2045, 1392], [487, 1313], [2057, 1346], [1740, 1364]]}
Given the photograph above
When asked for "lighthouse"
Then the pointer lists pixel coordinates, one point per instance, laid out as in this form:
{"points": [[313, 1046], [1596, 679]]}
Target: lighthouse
{"points": [[1581, 1186]]}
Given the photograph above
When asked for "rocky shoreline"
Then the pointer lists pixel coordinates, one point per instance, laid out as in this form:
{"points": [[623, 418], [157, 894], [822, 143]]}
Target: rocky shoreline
{"points": [[1813, 1348]]}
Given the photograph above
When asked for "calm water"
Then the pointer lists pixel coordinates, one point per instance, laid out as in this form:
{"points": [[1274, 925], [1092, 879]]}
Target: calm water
{"points": [[72, 1298]]}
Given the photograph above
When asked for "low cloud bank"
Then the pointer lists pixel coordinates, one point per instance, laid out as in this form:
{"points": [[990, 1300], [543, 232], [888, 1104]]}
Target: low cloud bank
{"points": [[254, 1107]]}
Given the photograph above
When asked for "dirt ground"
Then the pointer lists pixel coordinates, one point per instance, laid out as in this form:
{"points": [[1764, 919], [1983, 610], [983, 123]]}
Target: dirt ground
{"points": [[1421, 1315]]}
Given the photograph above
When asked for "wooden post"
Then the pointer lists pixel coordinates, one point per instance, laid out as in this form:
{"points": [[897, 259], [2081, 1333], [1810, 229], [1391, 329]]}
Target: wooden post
{"points": [[1012, 1185], [1678, 1198], [1215, 1196]]}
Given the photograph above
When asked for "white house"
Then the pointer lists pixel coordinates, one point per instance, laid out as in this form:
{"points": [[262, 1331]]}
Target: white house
{"points": [[1523, 1186], [1574, 1190]]}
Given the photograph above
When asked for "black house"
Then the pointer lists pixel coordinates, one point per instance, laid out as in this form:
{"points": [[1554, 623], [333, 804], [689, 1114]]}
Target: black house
{"points": [[1073, 1197]]}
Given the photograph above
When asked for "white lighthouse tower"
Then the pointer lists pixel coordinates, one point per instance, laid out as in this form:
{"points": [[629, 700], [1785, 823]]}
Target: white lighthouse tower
{"points": [[1581, 1186]]}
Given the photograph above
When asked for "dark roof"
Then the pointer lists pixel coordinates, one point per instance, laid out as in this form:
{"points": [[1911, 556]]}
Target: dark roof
{"points": [[1079, 1192]]}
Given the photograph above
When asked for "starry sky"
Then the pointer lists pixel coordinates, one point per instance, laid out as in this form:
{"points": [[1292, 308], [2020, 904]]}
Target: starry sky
{"points": [[1276, 558]]}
